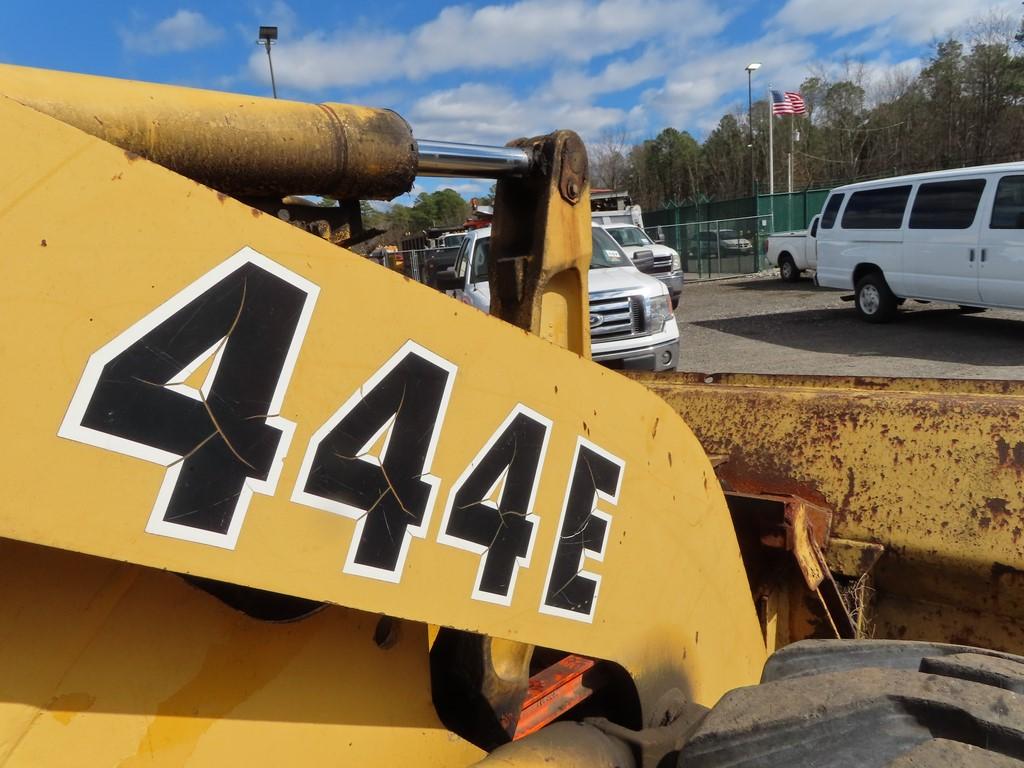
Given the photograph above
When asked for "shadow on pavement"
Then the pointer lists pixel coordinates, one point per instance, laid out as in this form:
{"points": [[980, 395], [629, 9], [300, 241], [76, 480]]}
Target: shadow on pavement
{"points": [[943, 335], [775, 284]]}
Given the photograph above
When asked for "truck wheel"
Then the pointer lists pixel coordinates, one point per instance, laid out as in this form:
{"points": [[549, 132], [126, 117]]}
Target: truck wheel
{"points": [[787, 269], [875, 302], [869, 704]]}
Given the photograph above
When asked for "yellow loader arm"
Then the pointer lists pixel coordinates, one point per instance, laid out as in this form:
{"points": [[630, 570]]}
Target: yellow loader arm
{"points": [[196, 387]]}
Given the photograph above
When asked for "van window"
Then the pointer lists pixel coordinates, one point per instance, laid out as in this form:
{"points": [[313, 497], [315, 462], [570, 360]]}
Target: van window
{"points": [[946, 204], [828, 216], [1008, 210], [880, 208]]}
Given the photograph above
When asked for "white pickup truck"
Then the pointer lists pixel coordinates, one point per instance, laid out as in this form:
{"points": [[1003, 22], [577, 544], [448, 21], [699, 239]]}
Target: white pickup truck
{"points": [[631, 322], [794, 252]]}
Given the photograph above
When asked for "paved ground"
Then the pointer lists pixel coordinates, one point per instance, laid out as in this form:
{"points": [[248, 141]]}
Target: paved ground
{"points": [[758, 324]]}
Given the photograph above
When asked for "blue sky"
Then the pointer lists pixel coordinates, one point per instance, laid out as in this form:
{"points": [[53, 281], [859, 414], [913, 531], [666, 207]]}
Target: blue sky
{"points": [[491, 72]]}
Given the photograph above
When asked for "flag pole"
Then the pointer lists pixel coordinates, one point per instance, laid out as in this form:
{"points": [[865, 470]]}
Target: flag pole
{"points": [[771, 143], [792, 120]]}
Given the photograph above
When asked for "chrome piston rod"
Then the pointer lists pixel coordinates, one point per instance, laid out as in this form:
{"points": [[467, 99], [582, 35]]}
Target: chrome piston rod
{"points": [[447, 158]]}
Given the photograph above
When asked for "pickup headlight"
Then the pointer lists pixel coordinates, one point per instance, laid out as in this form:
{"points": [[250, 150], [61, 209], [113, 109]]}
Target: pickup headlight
{"points": [[677, 263], [659, 312]]}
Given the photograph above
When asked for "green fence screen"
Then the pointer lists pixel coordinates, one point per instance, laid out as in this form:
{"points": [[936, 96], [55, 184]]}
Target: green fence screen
{"points": [[783, 211]]}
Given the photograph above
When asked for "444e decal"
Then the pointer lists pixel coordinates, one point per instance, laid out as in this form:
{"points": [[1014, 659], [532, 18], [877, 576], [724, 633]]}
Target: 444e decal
{"points": [[196, 386]]}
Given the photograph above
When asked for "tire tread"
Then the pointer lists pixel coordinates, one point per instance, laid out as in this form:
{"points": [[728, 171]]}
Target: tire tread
{"points": [[870, 704]]}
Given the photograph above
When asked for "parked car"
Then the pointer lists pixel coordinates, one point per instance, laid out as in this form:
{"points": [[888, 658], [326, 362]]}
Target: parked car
{"points": [[631, 320], [665, 263], [724, 242], [954, 236], [450, 240], [793, 252]]}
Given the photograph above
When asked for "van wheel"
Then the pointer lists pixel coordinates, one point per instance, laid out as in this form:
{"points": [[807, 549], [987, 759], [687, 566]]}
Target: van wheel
{"points": [[787, 269], [869, 704], [875, 302]]}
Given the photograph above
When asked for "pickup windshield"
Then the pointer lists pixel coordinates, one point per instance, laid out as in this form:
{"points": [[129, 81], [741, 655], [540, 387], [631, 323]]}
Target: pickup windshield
{"points": [[606, 251], [629, 236]]}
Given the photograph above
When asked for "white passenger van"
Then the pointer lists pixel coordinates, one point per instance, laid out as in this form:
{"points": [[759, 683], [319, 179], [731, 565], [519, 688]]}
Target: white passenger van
{"points": [[954, 236]]}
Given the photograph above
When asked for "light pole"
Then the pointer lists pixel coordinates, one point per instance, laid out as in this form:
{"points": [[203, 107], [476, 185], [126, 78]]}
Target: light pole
{"points": [[268, 36], [754, 65]]}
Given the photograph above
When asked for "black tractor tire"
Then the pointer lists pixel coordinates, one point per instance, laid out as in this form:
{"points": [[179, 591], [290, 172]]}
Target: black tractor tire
{"points": [[875, 302], [787, 269], [869, 704]]}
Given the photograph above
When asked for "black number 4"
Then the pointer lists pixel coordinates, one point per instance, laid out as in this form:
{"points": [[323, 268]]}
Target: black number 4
{"points": [[371, 460], [239, 327], [490, 508]]}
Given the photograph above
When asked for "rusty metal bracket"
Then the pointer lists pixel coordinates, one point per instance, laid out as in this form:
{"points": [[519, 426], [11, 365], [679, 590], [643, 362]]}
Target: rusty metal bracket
{"points": [[341, 224], [541, 243], [572, 177], [801, 528]]}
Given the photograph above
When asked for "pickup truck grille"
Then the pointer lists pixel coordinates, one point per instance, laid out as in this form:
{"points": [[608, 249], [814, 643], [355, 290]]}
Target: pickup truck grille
{"points": [[617, 318], [662, 263]]}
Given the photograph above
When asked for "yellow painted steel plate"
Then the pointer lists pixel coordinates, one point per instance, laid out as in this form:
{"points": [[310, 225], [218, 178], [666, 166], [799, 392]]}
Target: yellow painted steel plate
{"points": [[196, 386]]}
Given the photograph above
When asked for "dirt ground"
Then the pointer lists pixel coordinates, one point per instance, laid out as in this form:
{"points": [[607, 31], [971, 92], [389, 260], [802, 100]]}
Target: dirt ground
{"points": [[758, 324]]}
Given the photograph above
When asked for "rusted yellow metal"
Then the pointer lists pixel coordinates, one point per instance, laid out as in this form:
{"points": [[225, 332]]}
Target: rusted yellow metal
{"points": [[671, 605], [930, 471], [545, 216], [242, 145]]}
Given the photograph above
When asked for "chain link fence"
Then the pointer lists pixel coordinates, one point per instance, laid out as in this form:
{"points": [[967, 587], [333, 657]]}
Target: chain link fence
{"points": [[717, 248], [420, 264]]}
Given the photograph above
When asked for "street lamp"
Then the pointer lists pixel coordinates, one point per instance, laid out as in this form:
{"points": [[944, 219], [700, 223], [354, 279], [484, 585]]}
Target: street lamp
{"points": [[268, 36], [750, 120]]}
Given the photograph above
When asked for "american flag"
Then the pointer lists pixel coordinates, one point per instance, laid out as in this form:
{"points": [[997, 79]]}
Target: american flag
{"points": [[788, 103]]}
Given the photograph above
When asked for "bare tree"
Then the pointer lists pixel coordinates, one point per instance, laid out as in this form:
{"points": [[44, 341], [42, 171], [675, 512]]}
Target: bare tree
{"points": [[609, 159]]}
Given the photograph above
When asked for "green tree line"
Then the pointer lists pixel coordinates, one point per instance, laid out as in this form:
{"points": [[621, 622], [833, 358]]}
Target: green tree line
{"points": [[964, 107], [443, 208]]}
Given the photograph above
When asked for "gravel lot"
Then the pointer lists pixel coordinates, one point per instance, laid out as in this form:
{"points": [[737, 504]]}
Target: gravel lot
{"points": [[758, 324]]}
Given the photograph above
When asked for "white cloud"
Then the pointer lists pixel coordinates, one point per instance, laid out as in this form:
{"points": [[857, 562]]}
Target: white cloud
{"points": [[699, 89], [279, 14], [478, 112], [682, 53], [618, 75], [183, 31], [913, 21], [495, 37], [314, 62], [468, 189], [532, 31]]}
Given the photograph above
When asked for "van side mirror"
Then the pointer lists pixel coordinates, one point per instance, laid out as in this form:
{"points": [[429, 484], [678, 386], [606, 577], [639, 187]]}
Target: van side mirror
{"points": [[447, 280]]}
